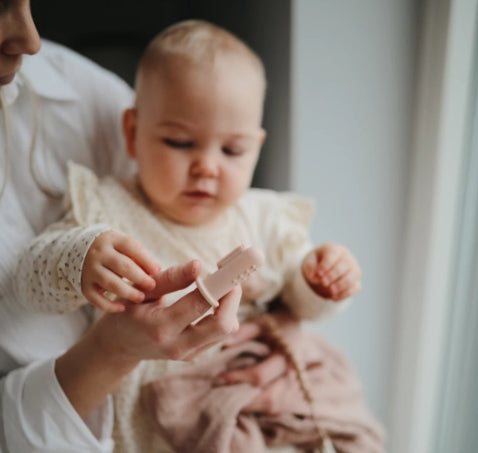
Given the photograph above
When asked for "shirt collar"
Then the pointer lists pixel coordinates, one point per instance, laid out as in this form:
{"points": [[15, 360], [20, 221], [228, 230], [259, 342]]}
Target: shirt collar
{"points": [[43, 78]]}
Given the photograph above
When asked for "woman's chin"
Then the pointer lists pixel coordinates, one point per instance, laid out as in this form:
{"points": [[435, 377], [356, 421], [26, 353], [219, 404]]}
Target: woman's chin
{"points": [[6, 79]]}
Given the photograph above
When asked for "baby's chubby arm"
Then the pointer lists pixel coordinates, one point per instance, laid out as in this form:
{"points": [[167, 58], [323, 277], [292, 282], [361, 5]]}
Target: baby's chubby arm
{"points": [[50, 275], [48, 272], [113, 258], [332, 272]]}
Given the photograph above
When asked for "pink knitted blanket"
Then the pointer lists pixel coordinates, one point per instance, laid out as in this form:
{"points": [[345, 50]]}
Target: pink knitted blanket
{"points": [[194, 415]]}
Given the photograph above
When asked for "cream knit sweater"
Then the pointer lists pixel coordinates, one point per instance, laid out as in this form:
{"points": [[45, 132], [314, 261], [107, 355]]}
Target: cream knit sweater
{"points": [[276, 223]]}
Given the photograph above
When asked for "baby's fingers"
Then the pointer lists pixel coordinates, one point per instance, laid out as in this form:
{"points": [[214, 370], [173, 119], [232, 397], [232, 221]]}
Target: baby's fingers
{"points": [[318, 263], [116, 284], [136, 251], [310, 268], [327, 257], [136, 264], [96, 296], [346, 286], [339, 269]]}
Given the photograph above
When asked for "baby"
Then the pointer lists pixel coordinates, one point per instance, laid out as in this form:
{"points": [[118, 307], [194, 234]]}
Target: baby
{"points": [[195, 132]]}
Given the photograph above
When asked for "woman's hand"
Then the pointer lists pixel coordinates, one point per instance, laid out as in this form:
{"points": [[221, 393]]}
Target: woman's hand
{"points": [[272, 374], [156, 331], [117, 342], [332, 272]]}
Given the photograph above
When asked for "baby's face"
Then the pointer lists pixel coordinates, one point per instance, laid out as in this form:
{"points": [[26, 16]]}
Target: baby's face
{"points": [[196, 137]]}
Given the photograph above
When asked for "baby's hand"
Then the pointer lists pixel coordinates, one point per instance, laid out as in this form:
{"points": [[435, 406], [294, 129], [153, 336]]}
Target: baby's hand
{"points": [[332, 272], [111, 258]]}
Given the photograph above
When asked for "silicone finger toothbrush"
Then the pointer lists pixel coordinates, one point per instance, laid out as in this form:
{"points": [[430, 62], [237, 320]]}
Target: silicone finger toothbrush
{"points": [[233, 269]]}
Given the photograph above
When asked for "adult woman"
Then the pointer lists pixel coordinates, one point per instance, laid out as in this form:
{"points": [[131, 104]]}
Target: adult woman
{"points": [[58, 106]]}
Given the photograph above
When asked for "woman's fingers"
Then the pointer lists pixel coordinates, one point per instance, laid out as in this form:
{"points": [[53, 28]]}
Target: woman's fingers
{"points": [[211, 329], [174, 278], [247, 331], [155, 331], [181, 340], [269, 400], [258, 375]]}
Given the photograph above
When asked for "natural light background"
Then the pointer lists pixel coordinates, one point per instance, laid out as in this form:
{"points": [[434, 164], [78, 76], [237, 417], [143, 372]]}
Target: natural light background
{"points": [[385, 137], [353, 80]]}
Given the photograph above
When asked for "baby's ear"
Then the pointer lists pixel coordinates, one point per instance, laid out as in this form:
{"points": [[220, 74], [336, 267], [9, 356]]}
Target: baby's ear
{"points": [[129, 130], [262, 136]]}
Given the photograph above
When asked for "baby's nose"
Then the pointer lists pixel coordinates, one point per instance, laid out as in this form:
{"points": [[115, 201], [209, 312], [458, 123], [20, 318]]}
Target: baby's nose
{"points": [[205, 165]]}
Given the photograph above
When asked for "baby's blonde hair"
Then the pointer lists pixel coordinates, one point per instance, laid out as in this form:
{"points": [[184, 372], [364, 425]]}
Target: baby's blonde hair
{"points": [[198, 42]]}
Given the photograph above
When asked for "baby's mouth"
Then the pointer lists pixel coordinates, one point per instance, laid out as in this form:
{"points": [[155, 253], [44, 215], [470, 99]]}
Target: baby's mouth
{"points": [[199, 194]]}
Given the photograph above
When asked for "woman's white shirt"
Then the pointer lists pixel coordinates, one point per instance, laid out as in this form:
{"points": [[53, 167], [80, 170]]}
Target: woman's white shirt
{"points": [[77, 108]]}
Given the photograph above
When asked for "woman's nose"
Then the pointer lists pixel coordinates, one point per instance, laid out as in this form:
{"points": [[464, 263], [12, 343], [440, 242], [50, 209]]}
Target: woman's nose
{"points": [[19, 33], [205, 165]]}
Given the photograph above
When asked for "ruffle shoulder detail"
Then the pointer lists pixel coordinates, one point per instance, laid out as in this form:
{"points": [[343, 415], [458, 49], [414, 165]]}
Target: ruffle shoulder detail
{"points": [[284, 221], [84, 197]]}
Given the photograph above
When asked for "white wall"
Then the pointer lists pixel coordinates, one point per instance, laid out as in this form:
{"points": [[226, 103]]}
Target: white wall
{"points": [[352, 99]]}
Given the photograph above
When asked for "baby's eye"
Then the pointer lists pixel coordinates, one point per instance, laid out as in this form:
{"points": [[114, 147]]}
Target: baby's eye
{"points": [[178, 143], [230, 151]]}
